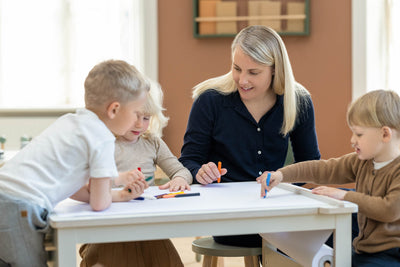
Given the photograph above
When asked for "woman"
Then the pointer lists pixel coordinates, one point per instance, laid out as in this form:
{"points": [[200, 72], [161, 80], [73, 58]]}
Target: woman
{"points": [[246, 117]]}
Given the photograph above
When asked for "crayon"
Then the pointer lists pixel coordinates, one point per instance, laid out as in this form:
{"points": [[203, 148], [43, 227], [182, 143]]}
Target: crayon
{"points": [[267, 182], [145, 197], [219, 169], [173, 193], [182, 195]]}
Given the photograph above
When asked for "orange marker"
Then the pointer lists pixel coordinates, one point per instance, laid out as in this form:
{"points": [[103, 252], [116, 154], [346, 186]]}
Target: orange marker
{"points": [[219, 169], [181, 195], [170, 194]]}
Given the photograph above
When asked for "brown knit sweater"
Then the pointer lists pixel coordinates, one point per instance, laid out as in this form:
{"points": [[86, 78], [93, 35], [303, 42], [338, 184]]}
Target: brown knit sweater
{"points": [[377, 195]]}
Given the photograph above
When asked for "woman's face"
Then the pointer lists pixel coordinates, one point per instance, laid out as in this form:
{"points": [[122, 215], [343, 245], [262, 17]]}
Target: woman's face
{"points": [[252, 79]]}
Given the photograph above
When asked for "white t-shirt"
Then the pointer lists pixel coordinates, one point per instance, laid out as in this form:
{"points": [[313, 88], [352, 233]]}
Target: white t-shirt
{"points": [[58, 162]]}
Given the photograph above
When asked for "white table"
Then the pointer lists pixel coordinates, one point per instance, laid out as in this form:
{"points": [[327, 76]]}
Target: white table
{"points": [[221, 209]]}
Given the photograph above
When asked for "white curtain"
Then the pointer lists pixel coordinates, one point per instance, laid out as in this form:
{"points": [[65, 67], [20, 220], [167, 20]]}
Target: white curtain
{"points": [[392, 74], [47, 47]]}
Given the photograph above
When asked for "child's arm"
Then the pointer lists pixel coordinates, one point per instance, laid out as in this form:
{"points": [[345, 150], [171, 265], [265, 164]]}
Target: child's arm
{"points": [[176, 184], [275, 179], [179, 175], [330, 192], [128, 177], [99, 195]]}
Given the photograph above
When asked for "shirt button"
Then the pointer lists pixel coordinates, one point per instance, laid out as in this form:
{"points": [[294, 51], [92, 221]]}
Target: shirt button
{"points": [[258, 130], [259, 152], [260, 172]]}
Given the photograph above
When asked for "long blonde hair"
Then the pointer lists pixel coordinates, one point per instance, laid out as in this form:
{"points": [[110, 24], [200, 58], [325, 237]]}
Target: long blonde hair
{"points": [[154, 108], [265, 47]]}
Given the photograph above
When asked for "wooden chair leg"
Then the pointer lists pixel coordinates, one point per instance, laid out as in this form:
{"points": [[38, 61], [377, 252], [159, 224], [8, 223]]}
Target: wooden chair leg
{"points": [[198, 256], [207, 261], [251, 261], [213, 261], [220, 261]]}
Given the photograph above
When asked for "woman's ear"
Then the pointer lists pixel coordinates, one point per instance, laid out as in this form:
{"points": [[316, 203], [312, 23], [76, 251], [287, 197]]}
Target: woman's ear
{"points": [[113, 109], [386, 134]]}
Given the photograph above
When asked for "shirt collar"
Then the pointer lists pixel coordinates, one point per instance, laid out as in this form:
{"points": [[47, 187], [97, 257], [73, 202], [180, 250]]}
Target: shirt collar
{"points": [[233, 100]]}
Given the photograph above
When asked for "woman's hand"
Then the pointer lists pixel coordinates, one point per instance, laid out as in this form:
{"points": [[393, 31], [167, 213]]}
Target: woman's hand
{"points": [[275, 179], [176, 184], [209, 173], [330, 192]]}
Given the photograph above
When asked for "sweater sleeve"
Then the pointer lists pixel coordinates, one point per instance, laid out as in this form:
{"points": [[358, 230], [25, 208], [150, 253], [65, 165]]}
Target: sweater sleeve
{"points": [[170, 164], [332, 171], [382, 202]]}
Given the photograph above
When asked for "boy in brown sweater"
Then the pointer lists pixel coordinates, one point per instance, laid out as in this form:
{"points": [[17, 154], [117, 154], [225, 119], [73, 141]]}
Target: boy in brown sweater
{"points": [[374, 119]]}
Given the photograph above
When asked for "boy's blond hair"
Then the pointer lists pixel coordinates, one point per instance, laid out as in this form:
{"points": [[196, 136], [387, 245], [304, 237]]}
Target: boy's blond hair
{"points": [[377, 108], [153, 107], [113, 80]]}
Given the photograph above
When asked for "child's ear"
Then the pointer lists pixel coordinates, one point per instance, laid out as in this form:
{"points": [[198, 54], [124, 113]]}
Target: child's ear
{"points": [[113, 109], [386, 134]]}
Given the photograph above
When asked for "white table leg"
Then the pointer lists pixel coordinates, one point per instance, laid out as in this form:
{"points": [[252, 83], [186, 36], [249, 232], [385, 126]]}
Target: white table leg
{"points": [[342, 241], [66, 248]]}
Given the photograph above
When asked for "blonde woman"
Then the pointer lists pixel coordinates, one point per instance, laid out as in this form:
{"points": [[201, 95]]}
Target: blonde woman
{"points": [[246, 117]]}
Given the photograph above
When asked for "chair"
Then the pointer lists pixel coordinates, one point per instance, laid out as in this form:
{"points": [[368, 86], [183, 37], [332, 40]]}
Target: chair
{"points": [[50, 248], [212, 250]]}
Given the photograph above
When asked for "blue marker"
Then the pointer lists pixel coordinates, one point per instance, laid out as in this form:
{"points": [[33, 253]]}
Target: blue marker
{"points": [[267, 182], [143, 197]]}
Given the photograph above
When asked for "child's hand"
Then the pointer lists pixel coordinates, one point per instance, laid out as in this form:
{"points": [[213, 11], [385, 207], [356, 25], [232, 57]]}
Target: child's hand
{"points": [[176, 184], [128, 177], [275, 179], [330, 192], [134, 189], [209, 173]]}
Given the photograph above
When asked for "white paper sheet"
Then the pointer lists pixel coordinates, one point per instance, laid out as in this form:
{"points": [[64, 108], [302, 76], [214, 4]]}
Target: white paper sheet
{"points": [[307, 247], [212, 197]]}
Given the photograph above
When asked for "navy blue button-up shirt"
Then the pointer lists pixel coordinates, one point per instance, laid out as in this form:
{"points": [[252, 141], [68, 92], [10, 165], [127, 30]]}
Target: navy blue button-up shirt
{"points": [[220, 128]]}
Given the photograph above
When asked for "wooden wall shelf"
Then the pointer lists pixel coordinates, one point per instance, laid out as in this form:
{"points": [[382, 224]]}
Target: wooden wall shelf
{"points": [[225, 18]]}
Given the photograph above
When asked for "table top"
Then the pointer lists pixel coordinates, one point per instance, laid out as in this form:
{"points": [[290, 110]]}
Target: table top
{"points": [[223, 200]]}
